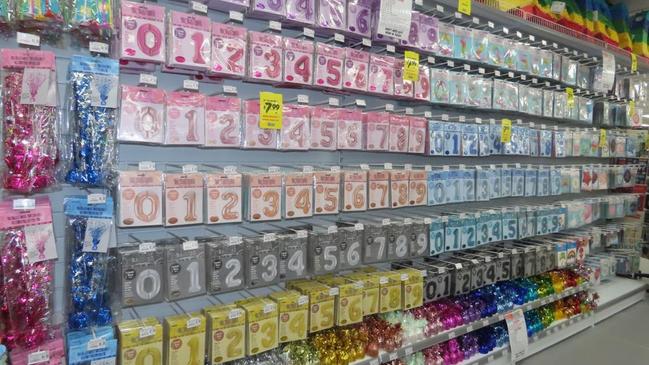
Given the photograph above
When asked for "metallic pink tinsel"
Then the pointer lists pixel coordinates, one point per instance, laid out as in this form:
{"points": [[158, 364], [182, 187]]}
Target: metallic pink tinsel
{"points": [[30, 145], [27, 289]]}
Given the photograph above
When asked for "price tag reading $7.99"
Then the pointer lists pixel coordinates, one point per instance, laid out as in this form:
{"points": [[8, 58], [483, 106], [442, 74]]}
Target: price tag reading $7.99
{"points": [[411, 66], [270, 110], [506, 128]]}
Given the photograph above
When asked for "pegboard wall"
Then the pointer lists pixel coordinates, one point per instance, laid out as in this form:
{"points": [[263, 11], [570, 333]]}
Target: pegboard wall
{"points": [[168, 157]]}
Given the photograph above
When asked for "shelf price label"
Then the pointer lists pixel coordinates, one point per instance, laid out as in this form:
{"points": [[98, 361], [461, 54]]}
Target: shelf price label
{"points": [[631, 107], [270, 110], [634, 62], [602, 137], [411, 66], [570, 94], [506, 131], [464, 7]]}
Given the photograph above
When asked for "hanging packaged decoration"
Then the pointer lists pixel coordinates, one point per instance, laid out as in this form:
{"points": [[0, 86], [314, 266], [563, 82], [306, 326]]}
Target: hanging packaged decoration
{"points": [[29, 119], [229, 50], [189, 38], [89, 228], [142, 32], [27, 254], [91, 151], [142, 115]]}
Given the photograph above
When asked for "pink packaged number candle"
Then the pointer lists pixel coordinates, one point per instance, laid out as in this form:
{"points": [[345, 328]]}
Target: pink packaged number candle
{"points": [[324, 128], [268, 9], [402, 88], [142, 115], [332, 15], [142, 35], [298, 189], [418, 191], [189, 41], [298, 61], [227, 5], [399, 188], [357, 64], [381, 75], [359, 15], [422, 86], [253, 135], [376, 126], [296, 128], [139, 198], [354, 191], [264, 196], [329, 66], [183, 199], [350, 129], [185, 118], [326, 192], [223, 122], [417, 135], [399, 132], [224, 198], [379, 189], [265, 57], [229, 50], [301, 12]]}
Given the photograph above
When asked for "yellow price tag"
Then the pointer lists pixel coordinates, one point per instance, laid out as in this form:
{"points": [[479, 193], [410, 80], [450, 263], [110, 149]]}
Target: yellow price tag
{"points": [[602, 137], [270, 110], [411, 66], [631, 107], [646, 141], [634, 62], [506, 130], [570, 94], [464, 7]]}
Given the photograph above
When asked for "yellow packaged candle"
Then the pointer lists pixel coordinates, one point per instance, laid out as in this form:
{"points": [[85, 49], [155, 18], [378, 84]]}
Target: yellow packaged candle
{"points": [[349, 301], [370, 291], [140, 342], [293, 308], [390, 291], [412, 288], [185, 339], [261, 325], [322, 313], [226, 326]]}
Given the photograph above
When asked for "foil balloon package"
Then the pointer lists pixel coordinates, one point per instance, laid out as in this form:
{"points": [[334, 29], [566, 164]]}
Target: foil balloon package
{"points": [[90, 153], [89, 225], [29, 124], [26, 256], [142, 115], [46, 17], [229, 50], [142, 32]]}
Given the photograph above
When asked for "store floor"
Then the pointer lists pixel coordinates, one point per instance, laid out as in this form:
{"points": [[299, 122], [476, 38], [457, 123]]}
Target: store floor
{"points": [[620, 339]]}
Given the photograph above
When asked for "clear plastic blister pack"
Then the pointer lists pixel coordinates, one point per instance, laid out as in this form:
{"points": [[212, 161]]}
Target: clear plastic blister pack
{"points": [[439, 83]]}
